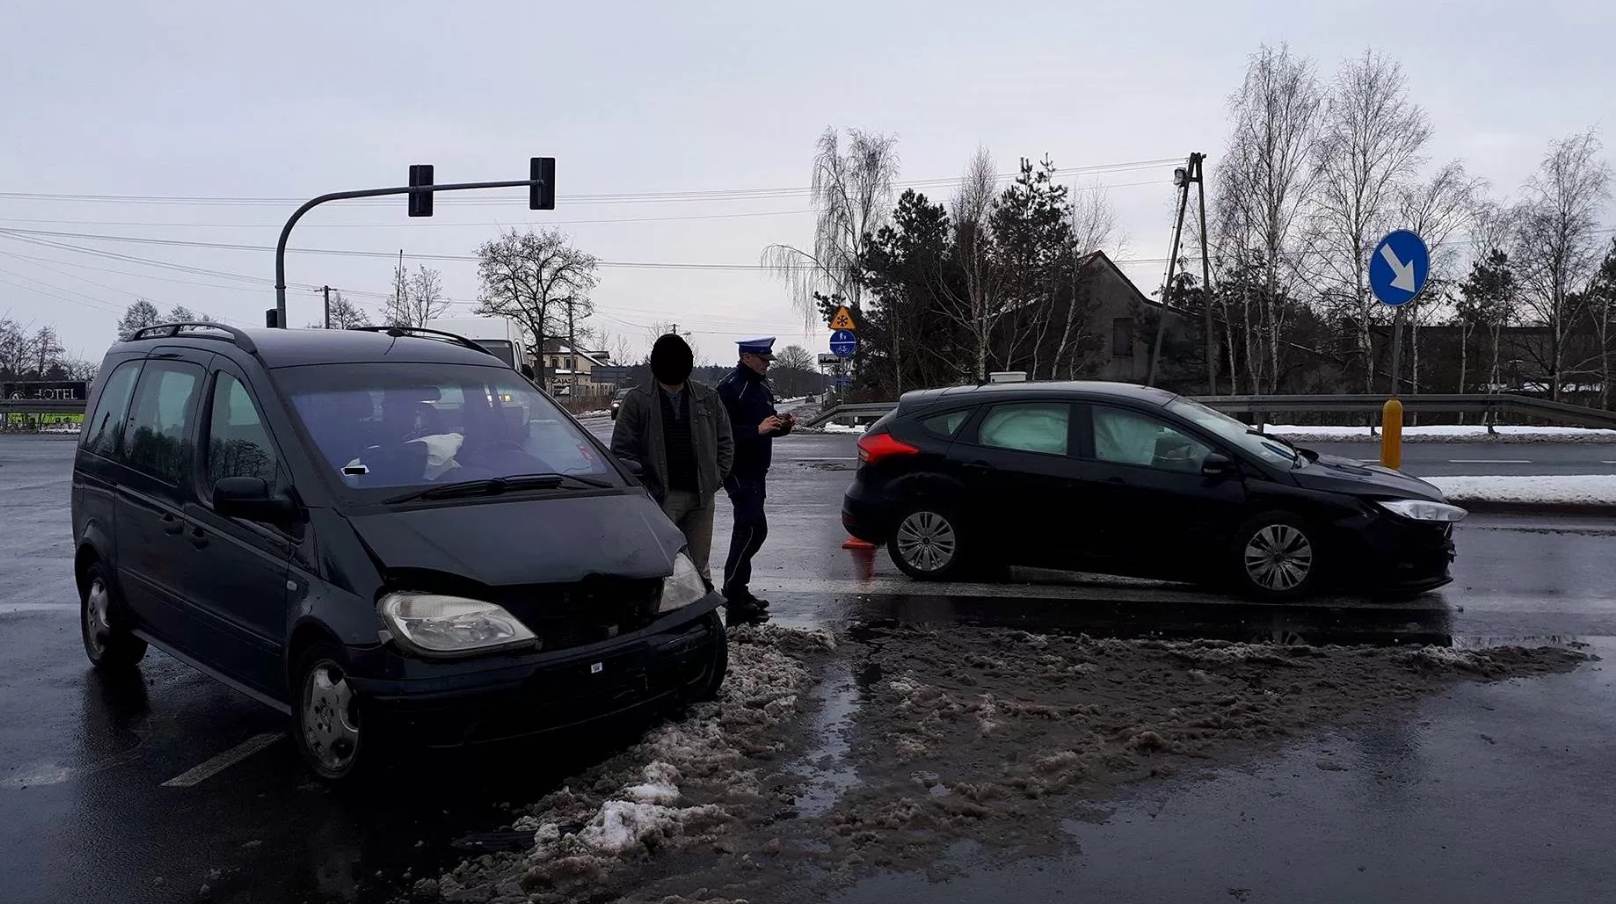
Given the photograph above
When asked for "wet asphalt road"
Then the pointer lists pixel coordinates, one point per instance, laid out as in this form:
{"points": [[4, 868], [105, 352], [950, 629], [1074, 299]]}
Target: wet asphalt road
{"points": [[1494, 791]]}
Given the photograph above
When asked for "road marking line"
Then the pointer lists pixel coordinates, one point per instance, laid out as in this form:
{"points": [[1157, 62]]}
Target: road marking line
{"points": [[1489, 461], [223, 761], [1608, 462]]}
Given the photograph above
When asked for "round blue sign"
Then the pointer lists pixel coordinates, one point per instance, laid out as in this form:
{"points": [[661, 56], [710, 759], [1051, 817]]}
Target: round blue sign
{"points": [[1398, 267], [843, 343]]}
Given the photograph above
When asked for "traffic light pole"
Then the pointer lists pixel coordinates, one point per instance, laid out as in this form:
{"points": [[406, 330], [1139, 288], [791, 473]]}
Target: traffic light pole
{"points": [[286, 231]]}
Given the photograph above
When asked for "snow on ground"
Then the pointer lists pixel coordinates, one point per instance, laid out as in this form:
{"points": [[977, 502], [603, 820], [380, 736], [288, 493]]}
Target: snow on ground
{"points": [[1447, 433], [841, 428], [996, 737], [1578, 489], [602, 412]]}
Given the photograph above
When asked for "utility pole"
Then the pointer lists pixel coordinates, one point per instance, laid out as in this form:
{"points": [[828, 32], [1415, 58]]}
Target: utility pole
{"points": [[1180, 179], [1196, 161], [327, 291]]}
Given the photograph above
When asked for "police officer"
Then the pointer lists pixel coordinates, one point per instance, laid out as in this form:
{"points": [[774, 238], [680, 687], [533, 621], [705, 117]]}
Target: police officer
{"points": [[755, 424]]}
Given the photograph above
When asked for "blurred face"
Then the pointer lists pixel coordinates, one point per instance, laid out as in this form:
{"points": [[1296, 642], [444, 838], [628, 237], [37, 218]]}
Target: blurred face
{"points": [[757, 362]]}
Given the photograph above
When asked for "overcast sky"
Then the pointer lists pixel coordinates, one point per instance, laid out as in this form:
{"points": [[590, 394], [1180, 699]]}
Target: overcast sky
{"points": [[287, 100]]}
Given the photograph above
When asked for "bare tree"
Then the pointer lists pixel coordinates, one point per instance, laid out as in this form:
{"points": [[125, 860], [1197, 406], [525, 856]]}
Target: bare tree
{"points": [[16, 348], [1266, 187], [1368, 150], [417, 297], [345, 315], [978, 313], [852, 192], [1436, 210], [140, 314], [533, 278], [47, 350], [1093, 228], [1557, 249]]}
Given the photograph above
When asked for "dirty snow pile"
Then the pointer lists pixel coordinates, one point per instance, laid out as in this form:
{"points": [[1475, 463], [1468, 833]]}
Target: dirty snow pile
{"points": [[842, 428], [1447, 433], [1562, 489], [688, 782]]}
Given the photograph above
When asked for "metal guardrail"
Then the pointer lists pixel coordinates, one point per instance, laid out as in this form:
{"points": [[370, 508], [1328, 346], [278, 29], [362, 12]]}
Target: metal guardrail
{"points": [[1491, 406]]}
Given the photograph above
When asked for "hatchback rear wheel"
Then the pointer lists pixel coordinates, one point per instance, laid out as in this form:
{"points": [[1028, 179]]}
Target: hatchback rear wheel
{"points": [[927, 544]]}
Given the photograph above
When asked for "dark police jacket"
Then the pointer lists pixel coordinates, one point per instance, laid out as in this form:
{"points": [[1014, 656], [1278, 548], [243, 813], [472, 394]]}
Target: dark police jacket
{"points": [[749, 400]]}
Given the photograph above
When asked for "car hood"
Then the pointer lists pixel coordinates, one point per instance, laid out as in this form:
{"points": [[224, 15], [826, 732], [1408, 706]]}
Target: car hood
{"points": [[1343, 475], [528, 539]]}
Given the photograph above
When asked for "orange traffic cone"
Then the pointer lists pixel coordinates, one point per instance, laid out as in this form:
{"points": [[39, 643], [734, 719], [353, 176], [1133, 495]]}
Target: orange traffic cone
{"points": [[856, 543]]}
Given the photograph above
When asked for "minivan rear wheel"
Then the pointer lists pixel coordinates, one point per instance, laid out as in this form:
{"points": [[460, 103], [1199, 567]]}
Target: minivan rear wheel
{"points": [[109, 644], [1276, 557], [926, 544], [328, 723]]}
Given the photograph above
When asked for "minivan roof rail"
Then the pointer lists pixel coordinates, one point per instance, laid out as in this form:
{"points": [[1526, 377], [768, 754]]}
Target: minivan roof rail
{"points": [[424, 333], [172, 330]]}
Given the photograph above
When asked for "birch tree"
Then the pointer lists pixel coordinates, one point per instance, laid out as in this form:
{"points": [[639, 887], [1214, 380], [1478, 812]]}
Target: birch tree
{"points": [[1369, 148], [1436, 210], [978, 307], [1266, 185], [1557, 244]]}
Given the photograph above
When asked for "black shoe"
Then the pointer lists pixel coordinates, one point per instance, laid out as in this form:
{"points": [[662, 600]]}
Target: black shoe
{"points": [[743, 614]]}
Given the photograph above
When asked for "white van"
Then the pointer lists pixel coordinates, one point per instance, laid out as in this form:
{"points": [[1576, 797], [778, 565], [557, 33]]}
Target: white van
{"points": [[500, 335]]}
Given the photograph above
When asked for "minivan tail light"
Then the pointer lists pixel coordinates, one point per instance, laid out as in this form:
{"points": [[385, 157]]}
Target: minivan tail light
{"points": [[877, 447]]}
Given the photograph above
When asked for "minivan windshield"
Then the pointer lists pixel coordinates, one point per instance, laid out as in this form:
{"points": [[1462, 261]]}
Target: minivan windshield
{"points": [[392, 426], [1233, 431]]}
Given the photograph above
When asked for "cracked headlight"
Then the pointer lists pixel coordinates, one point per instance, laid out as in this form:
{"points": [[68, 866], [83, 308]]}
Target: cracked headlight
{"points": [[683, 587], [1422, 509], [432, 624]]}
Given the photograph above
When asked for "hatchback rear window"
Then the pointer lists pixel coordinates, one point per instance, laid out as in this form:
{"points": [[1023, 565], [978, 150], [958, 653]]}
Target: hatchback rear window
{"points": [[946, 424], [406, 425]]}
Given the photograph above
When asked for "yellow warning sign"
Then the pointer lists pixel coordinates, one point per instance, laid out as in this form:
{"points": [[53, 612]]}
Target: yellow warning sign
{"points": [[842, 320]]}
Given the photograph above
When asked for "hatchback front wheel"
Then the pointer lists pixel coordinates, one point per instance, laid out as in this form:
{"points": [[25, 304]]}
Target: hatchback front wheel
{"points": [[1277, 557]]}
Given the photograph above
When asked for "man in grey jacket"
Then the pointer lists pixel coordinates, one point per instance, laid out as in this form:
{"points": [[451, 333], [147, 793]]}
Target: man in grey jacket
{"points": [[679, 434]]}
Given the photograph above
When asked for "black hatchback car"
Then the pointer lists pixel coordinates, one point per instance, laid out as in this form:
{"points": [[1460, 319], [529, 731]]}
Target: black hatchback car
{"points": [[391, 536], [1122, 479]]}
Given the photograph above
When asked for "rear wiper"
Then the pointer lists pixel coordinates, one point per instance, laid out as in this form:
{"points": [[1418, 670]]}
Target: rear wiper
{"points": [[494, 486]]}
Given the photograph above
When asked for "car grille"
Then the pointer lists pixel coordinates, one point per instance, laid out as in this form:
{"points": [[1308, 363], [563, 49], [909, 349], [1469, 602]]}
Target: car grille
{"points": [[592, 610]]}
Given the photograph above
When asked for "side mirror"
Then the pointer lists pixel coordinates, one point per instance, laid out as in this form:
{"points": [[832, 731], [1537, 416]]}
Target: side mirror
{"points": [[1218, 466], [250, 498], [527, 371], [633, 467]]}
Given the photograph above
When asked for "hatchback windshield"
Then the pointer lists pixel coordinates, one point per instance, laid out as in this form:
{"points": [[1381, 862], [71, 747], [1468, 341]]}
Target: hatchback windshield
{"points": [[405, 425], [1234, 431]]}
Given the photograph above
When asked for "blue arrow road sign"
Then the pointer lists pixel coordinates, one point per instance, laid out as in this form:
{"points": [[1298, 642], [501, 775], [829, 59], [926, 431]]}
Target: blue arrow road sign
{"points": [[1398, 267], [843, 343]]}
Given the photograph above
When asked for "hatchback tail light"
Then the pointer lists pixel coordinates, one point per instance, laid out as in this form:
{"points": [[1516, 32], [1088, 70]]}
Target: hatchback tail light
{"points": [[877, 447]]}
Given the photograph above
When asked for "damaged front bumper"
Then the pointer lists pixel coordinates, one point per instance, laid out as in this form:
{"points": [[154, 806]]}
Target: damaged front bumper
{"points": [[472, 701]]}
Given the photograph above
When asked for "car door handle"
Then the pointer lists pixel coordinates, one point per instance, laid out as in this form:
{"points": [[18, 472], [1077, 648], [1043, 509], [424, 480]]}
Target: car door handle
{"points": [[172, 524], [198, 537], [978, 467]]}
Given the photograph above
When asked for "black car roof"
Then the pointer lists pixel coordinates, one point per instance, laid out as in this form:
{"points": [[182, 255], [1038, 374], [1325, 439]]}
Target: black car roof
{"points": [[295, 347], [1075, 389]]}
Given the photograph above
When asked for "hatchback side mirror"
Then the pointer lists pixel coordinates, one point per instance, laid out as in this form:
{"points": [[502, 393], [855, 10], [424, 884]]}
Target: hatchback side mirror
{"points": [[252, 499], [1218, 466]]}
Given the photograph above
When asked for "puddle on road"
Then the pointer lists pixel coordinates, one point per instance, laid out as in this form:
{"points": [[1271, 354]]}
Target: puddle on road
{"points": [[825, 763]]}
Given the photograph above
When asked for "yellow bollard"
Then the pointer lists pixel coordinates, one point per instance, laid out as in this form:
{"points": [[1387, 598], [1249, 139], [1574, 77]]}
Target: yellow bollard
{"points": [[1391, 434]]}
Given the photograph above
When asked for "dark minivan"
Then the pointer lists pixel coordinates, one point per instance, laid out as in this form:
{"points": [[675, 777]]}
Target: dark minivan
{"points": [[389, 535], [1122, 479]]}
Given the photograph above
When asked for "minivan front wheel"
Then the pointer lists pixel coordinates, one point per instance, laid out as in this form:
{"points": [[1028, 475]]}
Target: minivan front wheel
{"points": [[926, 544], [1277, 557], [327, 715], [109, 645]]}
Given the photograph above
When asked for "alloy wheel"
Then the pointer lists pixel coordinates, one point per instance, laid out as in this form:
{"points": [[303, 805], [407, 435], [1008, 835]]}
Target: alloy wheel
{"points": [[1278, 557], [926, 541], [97, 624]]}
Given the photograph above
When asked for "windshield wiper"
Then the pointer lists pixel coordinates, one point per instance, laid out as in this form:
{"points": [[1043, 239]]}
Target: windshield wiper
{"points": [[494, 486], [1297, 455]]}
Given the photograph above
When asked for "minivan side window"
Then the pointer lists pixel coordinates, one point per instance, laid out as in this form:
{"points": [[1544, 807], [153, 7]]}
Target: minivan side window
{"points": [[157, 438], [102, 430], [1027, 426], [238, 444], [1129, 438]]}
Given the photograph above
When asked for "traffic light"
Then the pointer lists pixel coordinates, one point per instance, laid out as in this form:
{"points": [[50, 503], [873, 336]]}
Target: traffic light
{"points": [[420, 201], [542, 195], [272, 318]]}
